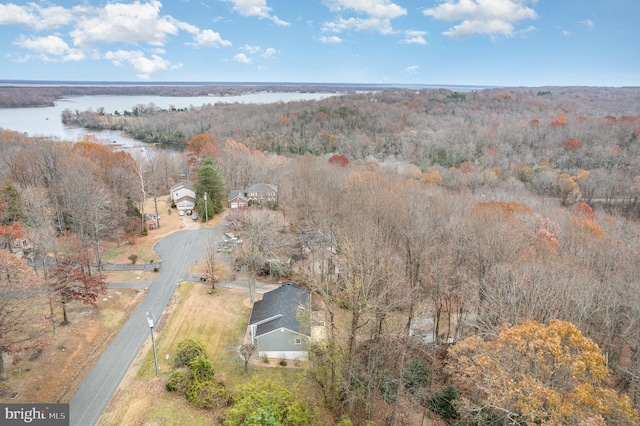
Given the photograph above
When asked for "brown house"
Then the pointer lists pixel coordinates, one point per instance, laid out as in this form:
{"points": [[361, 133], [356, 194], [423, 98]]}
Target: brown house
{"points": [[237, 199], [257, 193]]}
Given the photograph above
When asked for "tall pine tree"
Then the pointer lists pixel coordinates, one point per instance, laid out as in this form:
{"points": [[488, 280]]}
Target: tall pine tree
{"points": [[209, 181]]}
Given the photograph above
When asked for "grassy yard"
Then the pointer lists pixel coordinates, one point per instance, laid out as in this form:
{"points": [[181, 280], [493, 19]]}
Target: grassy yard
{"points": [[219, 322]]}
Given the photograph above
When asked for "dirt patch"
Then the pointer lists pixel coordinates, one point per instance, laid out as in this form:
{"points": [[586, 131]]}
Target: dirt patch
{"points": [[54, 374]]}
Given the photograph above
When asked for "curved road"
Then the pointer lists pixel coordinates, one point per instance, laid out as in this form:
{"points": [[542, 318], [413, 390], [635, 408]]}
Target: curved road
{"points": [[178, 251]]}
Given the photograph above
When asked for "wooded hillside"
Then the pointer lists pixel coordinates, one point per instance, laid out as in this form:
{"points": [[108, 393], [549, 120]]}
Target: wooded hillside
{"points": [[479, 211]]}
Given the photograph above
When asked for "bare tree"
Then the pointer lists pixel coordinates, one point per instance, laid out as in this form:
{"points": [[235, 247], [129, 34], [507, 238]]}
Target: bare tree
{"points": [[19, 313], [246, 352], [210, 263], [264, 244]]}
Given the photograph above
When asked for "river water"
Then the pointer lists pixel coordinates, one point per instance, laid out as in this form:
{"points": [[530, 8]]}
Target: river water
{"points": [[45, 121]]}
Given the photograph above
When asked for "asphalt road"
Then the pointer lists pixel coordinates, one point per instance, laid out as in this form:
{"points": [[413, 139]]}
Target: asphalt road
{"points": [[178, 251]]}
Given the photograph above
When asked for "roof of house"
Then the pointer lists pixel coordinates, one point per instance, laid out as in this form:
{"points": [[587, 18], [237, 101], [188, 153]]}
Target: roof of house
{"points": [[237, 193], [278, 309], [183, 184], [262, 187]]}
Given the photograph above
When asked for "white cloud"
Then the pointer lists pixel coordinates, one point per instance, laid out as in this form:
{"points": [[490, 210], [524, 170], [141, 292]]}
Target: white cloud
{"points": [[251, 49], [382, 26], [566, 33], [331, 39], [143, 65], [269, 52], [36, 17], [414, 37], [51, 48], [89, 27], [382, 9], [588, 23], [413, 69], [209, 38], [257, 8], [125, 23], [378, 15], [491, 17], [242, 58]]}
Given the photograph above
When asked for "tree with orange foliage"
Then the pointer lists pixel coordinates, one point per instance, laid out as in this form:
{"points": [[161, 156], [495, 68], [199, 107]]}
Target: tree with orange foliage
{"points": [[200, 147], [538, 374], [569, 189], [559, 121], [571, 144], [339, 160], [72, 280]]}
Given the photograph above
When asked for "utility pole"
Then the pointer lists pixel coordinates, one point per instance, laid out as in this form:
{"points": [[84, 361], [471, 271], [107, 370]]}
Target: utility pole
{"points": [[153, 342], [206, 209], [155, 201]]}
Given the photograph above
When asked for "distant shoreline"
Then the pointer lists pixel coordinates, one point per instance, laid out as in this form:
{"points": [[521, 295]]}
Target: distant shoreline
{"points": [[37, 93], [293, 85]]}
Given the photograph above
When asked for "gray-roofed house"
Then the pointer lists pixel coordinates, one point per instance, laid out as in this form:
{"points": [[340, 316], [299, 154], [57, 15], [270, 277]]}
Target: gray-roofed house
{"points": [[275, 326], [238, 199]]}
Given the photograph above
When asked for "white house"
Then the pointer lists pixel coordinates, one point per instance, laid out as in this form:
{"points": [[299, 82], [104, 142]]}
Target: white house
{"points": [[183, 196]]}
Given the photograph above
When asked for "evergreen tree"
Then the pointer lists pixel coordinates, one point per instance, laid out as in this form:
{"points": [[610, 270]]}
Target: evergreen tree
{"points": [[209, 182], [11, 210]]}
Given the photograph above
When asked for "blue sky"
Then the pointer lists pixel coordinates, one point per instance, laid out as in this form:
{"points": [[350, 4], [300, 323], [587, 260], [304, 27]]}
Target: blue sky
{"points": [[457, 42]]}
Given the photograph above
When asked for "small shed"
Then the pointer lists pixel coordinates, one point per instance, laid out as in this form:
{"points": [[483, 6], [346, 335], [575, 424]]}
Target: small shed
{"points": [[280, 323]]}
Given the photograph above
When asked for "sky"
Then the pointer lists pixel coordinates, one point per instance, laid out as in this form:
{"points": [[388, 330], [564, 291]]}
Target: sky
{"points": [[423, 42]]}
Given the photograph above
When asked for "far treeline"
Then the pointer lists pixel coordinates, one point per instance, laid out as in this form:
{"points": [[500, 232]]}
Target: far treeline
{"points": [[21, 96], [508, 219]]}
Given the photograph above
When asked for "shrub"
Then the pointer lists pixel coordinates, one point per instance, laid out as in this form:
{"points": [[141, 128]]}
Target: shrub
{"points": [[207, 394], [283, 363], [417, 375], [345, 421], [178, 381], [188, 350], [201, 368], [133, 258], [443, 403], [262, 402], [194, 377], [388, 388]]}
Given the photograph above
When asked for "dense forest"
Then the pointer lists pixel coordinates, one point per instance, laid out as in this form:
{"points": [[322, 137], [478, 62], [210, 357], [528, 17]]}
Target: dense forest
{"points": [[507, 217]]}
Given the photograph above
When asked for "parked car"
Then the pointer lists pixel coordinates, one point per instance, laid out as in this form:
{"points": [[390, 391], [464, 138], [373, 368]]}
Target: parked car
{"points": [[194, 216], [181, 213], [189, 212]]}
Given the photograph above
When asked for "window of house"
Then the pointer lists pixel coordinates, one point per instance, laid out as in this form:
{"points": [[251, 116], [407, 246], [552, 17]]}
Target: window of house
{"points": [[298, 341]]}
